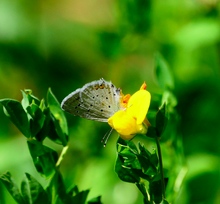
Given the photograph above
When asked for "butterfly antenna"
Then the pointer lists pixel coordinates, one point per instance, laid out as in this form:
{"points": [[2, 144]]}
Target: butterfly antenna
{"points": [[105, 138]]}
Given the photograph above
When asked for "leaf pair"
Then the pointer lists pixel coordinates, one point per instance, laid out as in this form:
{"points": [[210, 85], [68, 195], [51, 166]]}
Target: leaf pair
{"points": [[31, 191], [138, 165], [37, 120]]}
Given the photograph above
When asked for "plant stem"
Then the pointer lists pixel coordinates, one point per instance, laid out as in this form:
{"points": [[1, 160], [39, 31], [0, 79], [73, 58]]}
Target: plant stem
{"points": [[161, 167], [64, 150]]}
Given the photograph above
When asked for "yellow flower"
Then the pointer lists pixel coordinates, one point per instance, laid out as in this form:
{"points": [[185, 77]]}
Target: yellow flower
{"points": [[131, 119]]}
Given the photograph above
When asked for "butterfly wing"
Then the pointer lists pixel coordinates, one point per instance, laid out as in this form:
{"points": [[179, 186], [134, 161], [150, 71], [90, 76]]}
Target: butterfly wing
{"points": [[97, 100]]}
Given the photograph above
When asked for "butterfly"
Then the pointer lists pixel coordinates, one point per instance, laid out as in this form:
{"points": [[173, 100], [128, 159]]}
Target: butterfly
{"points": [[97, 100]]}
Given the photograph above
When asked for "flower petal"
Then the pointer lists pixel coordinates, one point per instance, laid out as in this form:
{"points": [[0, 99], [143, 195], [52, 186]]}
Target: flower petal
{"points": [[138, 105]]}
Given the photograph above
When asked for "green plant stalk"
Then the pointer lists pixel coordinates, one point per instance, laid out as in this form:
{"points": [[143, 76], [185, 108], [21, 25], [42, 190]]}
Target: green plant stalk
{"points": [[161, 167], [64, 150]]}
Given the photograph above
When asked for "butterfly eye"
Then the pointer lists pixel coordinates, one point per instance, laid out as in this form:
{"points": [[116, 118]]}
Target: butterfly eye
{"points": [[118, 90]]}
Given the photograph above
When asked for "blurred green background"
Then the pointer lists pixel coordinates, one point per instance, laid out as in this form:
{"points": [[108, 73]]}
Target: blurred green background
{"points": [[65, 44]]}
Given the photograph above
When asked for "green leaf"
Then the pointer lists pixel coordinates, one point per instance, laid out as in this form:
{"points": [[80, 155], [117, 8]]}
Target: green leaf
{"points": [[154, 159], [56, 133], [147, 167], [123, 143], [151, 156], [46, 128], [161, 120], [57, 189], [56, 110], [96, 200], [129, 154], [25, 191], [80, 198], [151, 132], [34, 191], [12, 188], [144, 152], [125, 151], [43, 157], [36, 118], [28, 98], [25, 101], [14, 110], [125, 174], [141, 186], [163, 73], [73, 190], [132, 146], [171, 101], [58, 192], [58, 118]]}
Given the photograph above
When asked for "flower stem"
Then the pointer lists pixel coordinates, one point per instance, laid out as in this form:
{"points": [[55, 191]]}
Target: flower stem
{"points": [[161, 167]]}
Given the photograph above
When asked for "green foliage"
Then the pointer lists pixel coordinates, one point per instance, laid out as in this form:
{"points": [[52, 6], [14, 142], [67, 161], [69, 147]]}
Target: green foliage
{"points": [[11, 108], [139, 165], [58, 119], [64, 45], [44, 158], [37, 121], [30, 192]]}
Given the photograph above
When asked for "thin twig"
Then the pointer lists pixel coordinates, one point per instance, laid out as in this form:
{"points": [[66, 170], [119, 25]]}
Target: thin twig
{"points": [[64, 150]]}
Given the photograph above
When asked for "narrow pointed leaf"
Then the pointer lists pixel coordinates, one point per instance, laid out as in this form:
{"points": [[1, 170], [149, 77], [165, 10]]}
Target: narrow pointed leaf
{"points": [[58, 118], [57, 189], [12, 188], [37, 193], [25, 191], [142, 188], [56, 110]]}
